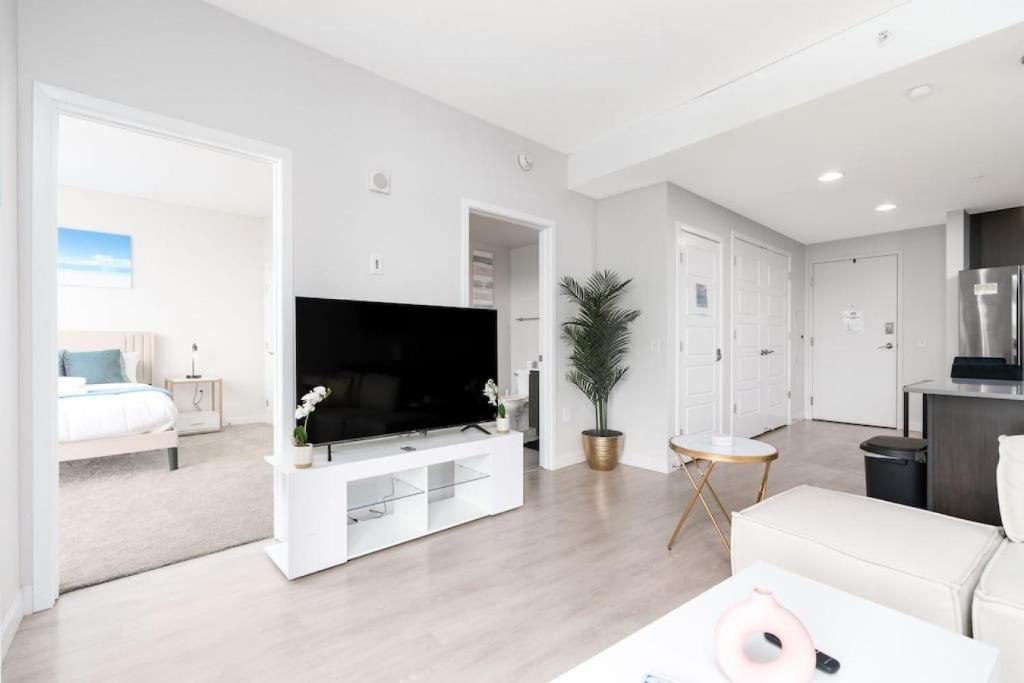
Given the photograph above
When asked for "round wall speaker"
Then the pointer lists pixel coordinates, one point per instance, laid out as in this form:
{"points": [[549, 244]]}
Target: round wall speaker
{"points": [[380, 182]]}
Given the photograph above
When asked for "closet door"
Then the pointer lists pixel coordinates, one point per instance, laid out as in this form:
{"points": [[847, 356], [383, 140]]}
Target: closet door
{"points": [[760, 368]]}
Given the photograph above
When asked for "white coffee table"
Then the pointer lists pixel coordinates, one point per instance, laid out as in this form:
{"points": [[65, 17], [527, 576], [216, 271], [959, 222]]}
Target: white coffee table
{"points": [[873, 644]]}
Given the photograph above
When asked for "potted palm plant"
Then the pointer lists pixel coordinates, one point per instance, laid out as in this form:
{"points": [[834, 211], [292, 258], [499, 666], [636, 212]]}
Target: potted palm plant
{"points": [[598, 338]]}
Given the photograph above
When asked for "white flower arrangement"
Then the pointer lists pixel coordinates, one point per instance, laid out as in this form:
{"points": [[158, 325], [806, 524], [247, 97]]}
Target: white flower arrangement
{"points": [[491, 392], [300, 435]]}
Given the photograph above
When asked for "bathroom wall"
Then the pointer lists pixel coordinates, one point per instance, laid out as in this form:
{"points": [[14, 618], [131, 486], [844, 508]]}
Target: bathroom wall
{"points": [[524, 302], [501, 302]]}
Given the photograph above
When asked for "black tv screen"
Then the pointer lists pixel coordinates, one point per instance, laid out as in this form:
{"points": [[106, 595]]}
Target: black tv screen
{"points": [[393, 368]]}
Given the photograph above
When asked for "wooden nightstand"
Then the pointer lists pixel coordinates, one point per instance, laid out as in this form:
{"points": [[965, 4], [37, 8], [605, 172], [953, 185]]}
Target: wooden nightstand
{"points": [[199, 421]]}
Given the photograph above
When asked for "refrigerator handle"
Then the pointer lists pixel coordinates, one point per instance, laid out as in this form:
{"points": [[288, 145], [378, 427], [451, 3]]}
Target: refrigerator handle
{"points": [[1015, 332]]}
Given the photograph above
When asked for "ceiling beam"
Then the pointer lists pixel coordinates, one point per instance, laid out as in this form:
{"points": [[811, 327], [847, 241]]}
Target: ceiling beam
{"points": [[638, 154]]}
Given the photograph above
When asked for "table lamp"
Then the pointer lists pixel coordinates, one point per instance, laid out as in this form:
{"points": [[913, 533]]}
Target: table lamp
{"points": [[195, 351]]}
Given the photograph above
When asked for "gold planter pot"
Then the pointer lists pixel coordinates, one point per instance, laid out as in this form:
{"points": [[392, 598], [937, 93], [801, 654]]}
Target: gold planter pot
{"points": [[602, 448]]}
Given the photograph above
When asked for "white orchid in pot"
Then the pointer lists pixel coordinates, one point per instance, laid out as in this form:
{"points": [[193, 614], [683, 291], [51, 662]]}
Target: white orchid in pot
{"points": [[303, 449], [491, 392]]}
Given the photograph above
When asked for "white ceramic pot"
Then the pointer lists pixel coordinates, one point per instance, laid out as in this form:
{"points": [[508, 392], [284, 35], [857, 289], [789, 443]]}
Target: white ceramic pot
{"points": [[302, 456], [502, 423]]}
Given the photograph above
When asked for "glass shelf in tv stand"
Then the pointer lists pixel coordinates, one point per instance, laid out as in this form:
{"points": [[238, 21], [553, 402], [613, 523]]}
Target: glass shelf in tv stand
{"points": [[370, 499]]}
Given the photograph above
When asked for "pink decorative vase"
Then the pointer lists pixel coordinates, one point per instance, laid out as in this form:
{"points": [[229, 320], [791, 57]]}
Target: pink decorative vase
{"points": [[758, 614]]}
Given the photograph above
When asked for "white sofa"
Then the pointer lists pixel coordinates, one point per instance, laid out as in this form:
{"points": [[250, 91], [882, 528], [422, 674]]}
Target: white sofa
{"points": [[999, 599], [921, 563], [999, 610], [961, 575]]}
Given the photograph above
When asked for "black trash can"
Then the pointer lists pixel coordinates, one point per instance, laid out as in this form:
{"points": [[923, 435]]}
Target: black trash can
{"points": [[895, 469]]}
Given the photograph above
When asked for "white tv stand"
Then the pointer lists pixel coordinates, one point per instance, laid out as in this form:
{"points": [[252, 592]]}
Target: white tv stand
{"points": [[374, 494]]}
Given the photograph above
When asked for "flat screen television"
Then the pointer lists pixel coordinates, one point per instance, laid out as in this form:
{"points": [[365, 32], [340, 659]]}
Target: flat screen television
{"points": [[393, 368]]}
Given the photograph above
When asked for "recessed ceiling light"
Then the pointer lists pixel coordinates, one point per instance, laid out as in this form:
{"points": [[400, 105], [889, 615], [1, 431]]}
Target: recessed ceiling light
{"points": [[919, 92], [887, 206], [830, 176]]}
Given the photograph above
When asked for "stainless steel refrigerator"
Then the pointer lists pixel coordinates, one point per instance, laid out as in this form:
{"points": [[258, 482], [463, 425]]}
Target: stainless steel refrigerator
{"points": [[990, 324]]}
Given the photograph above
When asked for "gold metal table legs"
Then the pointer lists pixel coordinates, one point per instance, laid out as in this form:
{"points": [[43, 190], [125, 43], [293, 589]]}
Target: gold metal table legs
{"points": [[698, 494]]}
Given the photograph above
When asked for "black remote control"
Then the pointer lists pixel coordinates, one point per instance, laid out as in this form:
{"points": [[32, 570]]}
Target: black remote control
{"points": [[822, 662]]}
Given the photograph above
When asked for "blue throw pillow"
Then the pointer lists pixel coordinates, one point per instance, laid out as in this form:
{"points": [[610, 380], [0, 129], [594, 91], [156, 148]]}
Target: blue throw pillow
{"points": [[97, 367]]}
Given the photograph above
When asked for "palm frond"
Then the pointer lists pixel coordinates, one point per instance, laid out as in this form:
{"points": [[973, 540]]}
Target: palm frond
{"points": [[598, 336]]}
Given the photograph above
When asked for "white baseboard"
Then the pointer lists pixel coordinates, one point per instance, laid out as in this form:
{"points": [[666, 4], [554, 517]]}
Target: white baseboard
{"points": [[650, 465], [567, 460], [12, 619]]}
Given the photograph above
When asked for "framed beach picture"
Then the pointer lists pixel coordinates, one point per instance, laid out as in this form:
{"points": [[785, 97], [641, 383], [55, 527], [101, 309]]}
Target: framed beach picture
{"points": [[93, 259]]}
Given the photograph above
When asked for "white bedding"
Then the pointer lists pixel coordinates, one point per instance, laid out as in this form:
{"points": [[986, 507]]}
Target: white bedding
{"points": [[93, 415]]}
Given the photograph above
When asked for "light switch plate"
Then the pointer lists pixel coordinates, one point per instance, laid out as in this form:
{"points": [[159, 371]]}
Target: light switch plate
{"points": [[376, 264]]}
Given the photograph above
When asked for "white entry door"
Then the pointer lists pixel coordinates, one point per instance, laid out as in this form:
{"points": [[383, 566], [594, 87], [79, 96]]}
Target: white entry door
{"points": [[700, 348], [760, 364], [854, 352]]}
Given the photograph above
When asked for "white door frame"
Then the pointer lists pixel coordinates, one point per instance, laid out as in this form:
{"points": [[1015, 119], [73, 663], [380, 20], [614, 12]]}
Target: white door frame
{"points": [[677, 337], [548, 288], [734, 236], [809, 341], [40, 259]]}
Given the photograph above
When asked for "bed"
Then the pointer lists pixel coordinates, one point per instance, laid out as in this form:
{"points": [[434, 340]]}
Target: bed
{"points": [[98, 420]]}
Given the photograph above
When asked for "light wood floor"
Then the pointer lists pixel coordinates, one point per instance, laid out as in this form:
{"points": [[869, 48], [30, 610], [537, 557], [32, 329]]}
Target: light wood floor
{"points": [[518, 597]]}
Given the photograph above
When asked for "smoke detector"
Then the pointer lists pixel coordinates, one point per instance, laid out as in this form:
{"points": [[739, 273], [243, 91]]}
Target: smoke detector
{"points": [[919, 92], [882, 38]]}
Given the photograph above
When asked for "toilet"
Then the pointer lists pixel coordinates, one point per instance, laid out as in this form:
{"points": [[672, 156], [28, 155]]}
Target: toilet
{"points": [[516, 403]]}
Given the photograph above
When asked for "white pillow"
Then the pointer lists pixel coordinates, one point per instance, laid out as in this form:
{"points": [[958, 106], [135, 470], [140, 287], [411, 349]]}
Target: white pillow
{"points": [[70, 386], [1010, 484], [130, 360]]}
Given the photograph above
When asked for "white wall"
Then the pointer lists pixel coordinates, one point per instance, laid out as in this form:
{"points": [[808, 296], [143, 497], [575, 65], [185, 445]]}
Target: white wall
{"points": [[501, 299], [634, 239], [188, 60], [10, 573], [956, 245], [197, 275], [636, 236], [924, 298], [524, 302]]}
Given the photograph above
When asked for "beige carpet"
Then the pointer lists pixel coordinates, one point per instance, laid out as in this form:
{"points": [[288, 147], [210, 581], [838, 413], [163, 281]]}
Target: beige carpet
{"points": [[125, 514]]}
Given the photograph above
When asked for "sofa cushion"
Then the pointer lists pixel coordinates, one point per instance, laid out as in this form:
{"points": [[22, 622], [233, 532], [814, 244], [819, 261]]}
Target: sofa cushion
{"points": [[1010, 484], [918, 562], [999, 609]]}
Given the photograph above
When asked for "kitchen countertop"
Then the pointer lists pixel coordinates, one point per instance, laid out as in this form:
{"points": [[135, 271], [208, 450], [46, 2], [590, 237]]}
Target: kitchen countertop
{"points": [[970, 388]]}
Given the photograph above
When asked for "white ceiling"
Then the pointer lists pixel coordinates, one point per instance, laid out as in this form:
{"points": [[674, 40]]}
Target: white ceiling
{"points": [[105, 158], [925, 155], [562, 73], [499, 233]]}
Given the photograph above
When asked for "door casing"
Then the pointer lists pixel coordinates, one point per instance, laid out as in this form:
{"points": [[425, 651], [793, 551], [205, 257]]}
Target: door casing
{"points": [[681, 230], [809, 338]]}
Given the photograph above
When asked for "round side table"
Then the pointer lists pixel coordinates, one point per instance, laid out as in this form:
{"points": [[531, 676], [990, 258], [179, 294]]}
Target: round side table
{"points": [[698, 448]]}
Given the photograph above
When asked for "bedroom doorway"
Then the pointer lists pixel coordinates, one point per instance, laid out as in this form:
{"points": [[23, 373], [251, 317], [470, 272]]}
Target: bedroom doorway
{"points": [[166, 442], [508, 264], [142, 228]]}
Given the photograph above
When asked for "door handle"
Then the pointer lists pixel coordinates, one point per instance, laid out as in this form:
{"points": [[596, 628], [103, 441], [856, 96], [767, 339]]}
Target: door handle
{"points": [[718, 355], [767, 351], [887, 345]]}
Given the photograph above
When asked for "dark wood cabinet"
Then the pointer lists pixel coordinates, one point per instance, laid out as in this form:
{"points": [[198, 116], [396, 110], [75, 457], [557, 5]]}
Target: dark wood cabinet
{"points": [[963, 451], [996, 238]]}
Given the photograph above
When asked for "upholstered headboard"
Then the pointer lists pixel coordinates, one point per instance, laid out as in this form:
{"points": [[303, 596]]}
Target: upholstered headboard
{"points": [[142, 343]]}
